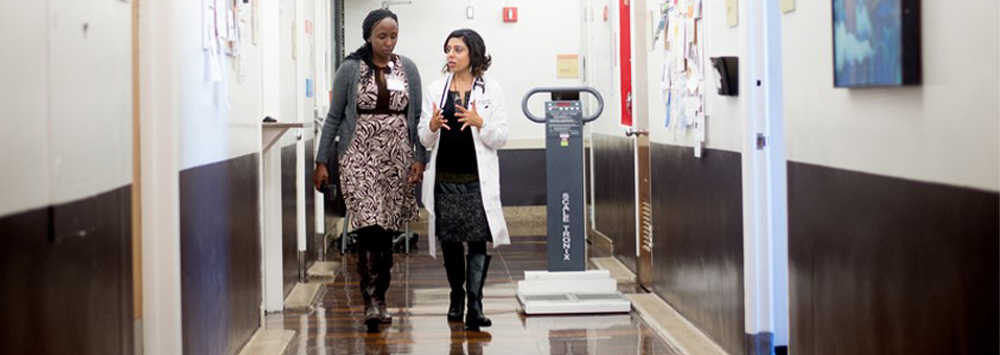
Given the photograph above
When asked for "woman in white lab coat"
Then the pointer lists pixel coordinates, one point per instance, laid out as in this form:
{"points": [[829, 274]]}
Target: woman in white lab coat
{"points": [[463, 125]]}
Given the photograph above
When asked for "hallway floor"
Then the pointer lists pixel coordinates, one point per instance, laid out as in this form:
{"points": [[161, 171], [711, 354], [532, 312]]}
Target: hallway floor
{"points": [[418, 300]]}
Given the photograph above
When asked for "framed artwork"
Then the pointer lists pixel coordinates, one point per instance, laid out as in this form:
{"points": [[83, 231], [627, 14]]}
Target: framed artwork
{"points": [[876, 43]]}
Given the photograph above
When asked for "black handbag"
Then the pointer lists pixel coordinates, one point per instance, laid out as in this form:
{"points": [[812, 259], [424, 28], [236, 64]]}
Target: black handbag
{"points": [[334, 196]]}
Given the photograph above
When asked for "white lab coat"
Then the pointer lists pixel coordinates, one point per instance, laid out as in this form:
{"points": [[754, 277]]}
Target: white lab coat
{"points": [[487, 96]]}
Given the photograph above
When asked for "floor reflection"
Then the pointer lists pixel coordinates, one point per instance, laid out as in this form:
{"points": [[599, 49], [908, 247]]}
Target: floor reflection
{"points": [[418, 299]]}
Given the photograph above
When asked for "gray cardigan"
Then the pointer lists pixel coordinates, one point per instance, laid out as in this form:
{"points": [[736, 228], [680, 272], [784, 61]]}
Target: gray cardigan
{"points": [[343, 116]]}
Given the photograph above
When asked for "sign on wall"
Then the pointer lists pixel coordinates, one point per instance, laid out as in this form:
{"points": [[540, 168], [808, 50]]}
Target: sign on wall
{"points": [[568, 66]]}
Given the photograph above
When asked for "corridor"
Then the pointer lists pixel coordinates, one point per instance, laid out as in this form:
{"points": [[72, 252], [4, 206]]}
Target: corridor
{"points": [[418, 300], [743, 177]]}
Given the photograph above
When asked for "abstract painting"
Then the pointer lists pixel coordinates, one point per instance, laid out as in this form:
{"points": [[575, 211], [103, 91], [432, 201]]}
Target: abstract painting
{"points": [[876, 42]]}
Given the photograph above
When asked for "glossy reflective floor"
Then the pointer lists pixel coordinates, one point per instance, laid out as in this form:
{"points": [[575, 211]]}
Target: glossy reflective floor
{"points": [[418, 300]]}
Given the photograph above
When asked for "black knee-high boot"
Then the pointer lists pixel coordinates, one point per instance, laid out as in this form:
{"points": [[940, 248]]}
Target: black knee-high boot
{"points": [[454, 266], [479, 264], [385, 264], [374, 265], [368, 269]]}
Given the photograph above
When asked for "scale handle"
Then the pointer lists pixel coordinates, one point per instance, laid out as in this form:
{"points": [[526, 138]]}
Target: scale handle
{"points": [[592, 91]]}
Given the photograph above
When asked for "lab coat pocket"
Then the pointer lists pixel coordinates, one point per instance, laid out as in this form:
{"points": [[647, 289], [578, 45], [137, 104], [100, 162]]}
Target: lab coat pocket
{"points": [[485, 111]]}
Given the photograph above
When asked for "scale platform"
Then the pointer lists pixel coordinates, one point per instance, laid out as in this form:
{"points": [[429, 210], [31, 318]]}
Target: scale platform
{"points": [[570, 292]]}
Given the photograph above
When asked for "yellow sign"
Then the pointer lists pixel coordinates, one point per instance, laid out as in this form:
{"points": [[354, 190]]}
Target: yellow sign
{"points": [[567, 66], [787, 5], [732, 13]]}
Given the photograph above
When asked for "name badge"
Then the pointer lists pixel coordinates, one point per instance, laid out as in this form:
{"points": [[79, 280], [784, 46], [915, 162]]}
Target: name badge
{"points": [[483, 103], [395, 85]]}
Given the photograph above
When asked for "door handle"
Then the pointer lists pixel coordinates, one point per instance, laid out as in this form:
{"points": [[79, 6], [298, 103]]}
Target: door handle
{"points": [[630, 132]]}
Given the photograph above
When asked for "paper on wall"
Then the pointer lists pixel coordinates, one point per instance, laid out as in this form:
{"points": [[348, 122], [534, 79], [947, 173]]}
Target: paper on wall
{"points": [[699, 125], [208, 24], [231, 25], [679, 46], [691, 106], [689, 32], [694, 80], [671, 40], [665, 91], [214, 66], [220, 20], [661, 25]]}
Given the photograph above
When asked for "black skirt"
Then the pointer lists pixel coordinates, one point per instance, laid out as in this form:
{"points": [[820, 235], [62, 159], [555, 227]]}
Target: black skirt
{"points": [[458, 207]]}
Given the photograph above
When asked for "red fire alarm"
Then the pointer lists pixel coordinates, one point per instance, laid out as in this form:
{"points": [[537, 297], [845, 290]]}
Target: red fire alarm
{"points": [[510, 14]]}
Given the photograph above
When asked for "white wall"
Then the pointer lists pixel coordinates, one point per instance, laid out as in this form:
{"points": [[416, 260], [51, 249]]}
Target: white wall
{"points": [[524, 53], [24, 140], [288, 68], [218, 120], [944, 131], [67, 100], [324, 59]]}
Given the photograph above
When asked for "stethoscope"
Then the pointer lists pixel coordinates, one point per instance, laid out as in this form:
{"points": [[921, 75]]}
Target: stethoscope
{"points": [[478, 82]]}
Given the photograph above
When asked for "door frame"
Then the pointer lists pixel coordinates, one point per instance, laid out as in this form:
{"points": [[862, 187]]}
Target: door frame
{"points": [[765, 212]]}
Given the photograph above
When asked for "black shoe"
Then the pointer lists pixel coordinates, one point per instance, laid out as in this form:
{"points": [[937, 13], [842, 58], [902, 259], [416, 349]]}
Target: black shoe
{"points": [[383, 313], [454, 266], [455, 311], [372, 319], [479, 264]]}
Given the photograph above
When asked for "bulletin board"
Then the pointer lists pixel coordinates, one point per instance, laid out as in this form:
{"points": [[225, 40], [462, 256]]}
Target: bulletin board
{"points": [[682, 80]]}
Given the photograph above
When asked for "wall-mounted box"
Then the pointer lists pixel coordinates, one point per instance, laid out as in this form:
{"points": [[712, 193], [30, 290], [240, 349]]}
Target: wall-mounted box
{"points": [[728, 73]]}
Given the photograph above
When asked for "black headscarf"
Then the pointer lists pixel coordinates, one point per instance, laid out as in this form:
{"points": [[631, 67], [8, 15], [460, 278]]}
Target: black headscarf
{"points": [[364, 53]]}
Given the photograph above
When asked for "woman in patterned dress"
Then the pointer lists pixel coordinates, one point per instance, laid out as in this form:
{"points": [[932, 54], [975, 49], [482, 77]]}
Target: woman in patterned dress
{"points": [[464, 125], [374, 113]]}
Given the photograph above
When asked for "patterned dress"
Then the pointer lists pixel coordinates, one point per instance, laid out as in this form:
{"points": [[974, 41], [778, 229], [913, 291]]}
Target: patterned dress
{"points": [[375, 167]]}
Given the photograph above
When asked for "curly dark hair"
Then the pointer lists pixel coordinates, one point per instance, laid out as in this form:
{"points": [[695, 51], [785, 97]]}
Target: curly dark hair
{"points": [[479, 61]]}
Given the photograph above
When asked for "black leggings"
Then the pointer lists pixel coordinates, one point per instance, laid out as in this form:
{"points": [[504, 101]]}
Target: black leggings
{"points": [[374, 238], [456, 248]]}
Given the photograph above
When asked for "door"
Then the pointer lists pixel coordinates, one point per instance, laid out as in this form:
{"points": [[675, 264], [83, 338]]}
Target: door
{"points": [[636, 95]]}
